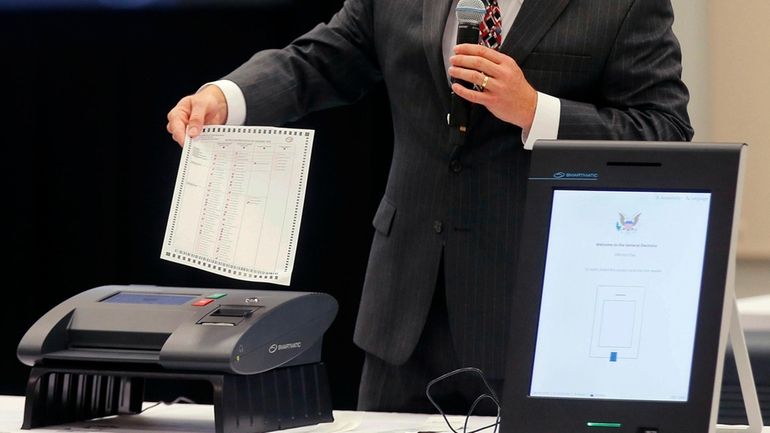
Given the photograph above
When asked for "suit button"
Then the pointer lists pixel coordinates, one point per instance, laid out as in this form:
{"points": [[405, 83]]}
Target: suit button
{"points": [[437, 226], [456, 166]]}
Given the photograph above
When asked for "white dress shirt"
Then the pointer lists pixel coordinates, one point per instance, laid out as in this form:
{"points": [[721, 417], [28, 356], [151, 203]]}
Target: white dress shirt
{"points": [[547, 113]]}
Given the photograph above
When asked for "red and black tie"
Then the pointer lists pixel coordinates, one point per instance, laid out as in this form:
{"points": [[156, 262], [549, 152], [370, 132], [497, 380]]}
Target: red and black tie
{"points": [[491, 27]]}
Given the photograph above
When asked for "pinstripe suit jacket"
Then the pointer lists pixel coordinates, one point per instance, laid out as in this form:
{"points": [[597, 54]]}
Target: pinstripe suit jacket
{"points": [[615, 65]]}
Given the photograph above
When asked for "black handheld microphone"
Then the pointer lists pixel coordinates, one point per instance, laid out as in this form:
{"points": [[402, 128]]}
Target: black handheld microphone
{"points": [[469, 15]]}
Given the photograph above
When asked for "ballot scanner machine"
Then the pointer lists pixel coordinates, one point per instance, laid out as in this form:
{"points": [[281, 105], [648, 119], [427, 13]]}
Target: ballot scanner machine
{"points": [[259, 350]]}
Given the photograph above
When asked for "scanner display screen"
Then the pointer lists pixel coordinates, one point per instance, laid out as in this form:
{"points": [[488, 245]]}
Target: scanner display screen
{"points": [[620, 295], [148, 298]]}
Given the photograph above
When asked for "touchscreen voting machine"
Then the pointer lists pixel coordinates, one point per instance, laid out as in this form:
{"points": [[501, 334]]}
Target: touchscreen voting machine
{"points": [[625, 295]]}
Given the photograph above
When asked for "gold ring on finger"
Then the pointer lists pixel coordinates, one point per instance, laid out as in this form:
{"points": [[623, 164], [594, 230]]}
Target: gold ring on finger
{"points": [[483, 85]]}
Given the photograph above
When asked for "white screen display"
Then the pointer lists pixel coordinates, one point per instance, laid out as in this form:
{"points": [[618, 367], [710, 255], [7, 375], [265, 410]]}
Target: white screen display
{"points": [[620, 295]]}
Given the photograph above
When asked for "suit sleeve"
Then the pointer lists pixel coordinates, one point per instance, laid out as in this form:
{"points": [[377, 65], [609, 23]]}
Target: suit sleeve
{"points": [[331, 65], [641, 95]]}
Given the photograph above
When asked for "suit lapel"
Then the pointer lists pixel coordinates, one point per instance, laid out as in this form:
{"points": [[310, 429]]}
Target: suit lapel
{"points": [[532, 22], [434, 15]]}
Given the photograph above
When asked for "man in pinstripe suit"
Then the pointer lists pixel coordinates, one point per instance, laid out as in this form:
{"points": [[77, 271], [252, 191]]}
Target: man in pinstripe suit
{"points": [[438, 286]]}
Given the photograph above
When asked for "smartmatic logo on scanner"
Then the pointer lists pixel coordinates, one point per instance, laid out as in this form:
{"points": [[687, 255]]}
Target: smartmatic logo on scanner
{"points": [[276, 347]]}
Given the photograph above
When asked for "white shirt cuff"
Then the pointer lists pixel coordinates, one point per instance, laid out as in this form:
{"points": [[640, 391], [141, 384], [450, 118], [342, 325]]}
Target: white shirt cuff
{"points": [[236, 103], [545, 125]]}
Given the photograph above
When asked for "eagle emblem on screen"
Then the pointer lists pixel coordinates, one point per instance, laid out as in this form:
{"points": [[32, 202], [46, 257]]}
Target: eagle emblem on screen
{"points": [[627, 224]]}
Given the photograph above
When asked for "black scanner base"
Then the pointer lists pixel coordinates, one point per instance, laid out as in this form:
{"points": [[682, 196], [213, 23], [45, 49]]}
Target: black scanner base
{"points": [[277, 399]]}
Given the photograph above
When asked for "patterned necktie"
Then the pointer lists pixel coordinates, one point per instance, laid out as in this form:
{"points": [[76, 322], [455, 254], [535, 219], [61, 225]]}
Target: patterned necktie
{"points": [[491, 27]]}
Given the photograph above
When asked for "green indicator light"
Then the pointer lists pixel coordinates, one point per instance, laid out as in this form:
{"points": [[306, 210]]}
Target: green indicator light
{"points": [[604, 424], [216, 295]]}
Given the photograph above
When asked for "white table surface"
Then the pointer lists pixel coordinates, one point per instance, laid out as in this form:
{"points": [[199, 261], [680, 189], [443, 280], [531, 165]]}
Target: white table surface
{"points": [[194, 418]]}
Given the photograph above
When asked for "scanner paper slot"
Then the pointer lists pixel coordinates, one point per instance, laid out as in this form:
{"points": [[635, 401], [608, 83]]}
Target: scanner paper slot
{"points": [[228, 315]]}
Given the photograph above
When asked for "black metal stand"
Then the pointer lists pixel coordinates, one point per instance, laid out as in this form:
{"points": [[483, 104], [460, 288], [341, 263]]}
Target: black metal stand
{"points": [[277, 399]]}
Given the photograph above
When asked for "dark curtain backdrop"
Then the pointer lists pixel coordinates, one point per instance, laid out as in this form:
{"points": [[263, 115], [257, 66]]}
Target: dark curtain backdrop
{"points": [[89, 169]]}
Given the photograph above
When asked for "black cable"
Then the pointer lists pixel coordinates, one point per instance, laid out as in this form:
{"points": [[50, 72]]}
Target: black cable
{"points": [[169, 403], [492, 395], [473, 406], [494, 424]]}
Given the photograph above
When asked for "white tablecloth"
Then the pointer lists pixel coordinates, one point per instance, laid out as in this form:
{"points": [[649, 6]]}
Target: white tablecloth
{"points": [[194, 418]]}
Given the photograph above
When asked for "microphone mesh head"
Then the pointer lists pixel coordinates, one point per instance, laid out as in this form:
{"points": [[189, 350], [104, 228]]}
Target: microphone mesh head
{"points": [[470, 11]]}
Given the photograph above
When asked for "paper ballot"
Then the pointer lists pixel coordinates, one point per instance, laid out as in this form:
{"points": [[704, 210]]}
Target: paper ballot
{"points": [[238, 201]]}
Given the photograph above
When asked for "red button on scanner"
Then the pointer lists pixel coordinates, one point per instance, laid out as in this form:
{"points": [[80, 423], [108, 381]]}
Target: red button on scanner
{"points": [[202, 302]]}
